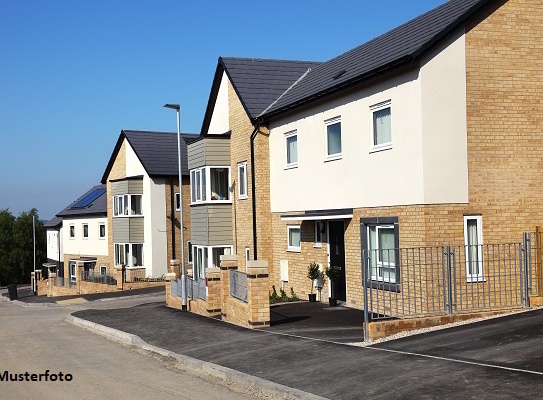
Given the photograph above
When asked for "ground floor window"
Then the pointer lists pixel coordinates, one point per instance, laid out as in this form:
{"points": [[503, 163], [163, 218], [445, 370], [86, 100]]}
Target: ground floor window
{"points": [[381, 242], [103, 270], [73, 268], [294, 238], [473, 242], [129, 254], [205, 257]]}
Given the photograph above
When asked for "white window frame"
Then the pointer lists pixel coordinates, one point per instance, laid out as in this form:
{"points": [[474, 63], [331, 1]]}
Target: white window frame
{"points": [[85, 236], [127, 263], [71, 231], [73, 271], [327, 123], [247, 254], [374, 252], [177, 201], [479, 276], [189, 251], [319, 231], [373, 109], [200, 188], [124, 203], [290, 247], [243, 191], [100, 230], [199, 271], [103, 269], [288, 135]]}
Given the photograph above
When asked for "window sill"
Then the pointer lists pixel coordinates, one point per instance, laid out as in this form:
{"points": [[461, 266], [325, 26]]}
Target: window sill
{"points": [[381, 285], [294, 250], [128, 216], [102, 238], [476, 280], [317, 245], [383, 147], [201, 203], [333, 157], [243, 197], [291, 166]]}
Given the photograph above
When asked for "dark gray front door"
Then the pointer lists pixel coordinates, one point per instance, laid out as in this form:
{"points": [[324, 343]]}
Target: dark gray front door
{"points": [[336, 237]]}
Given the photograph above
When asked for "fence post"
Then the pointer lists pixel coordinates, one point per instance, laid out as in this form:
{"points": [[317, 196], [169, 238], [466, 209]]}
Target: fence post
{"points": [[365, 288], [449, 282], [525, 268]]}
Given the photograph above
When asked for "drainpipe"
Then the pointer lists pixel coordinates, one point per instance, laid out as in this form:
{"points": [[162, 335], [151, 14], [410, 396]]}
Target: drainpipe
{"points": [[172, 214], [253, 184], [58, 269]]}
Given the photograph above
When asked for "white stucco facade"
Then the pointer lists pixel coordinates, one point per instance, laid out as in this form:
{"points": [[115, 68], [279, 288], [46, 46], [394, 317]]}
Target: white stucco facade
{"points": [[53, 244], [425, 164], [220, 122], [93, 245]]}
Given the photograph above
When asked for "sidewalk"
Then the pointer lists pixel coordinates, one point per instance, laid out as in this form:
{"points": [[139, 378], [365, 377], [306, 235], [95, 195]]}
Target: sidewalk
{"points": [[324, 368]]}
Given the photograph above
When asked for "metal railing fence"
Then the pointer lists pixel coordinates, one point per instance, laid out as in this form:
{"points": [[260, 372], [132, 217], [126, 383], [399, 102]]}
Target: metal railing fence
{"points": [[64, 282], [196, 289], [91, 276], [238, 285]]}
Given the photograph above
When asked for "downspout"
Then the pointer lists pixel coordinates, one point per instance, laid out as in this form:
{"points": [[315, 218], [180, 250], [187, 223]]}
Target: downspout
{"points": [[172, 213], [58, 269], [253, 185]]}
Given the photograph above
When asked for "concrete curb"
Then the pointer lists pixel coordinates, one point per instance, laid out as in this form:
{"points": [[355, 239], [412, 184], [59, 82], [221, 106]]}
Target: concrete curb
{"points": [[198, 366], [55, 304]]}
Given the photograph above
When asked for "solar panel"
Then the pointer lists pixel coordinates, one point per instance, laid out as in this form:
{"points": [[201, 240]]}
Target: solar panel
{"points": [[88, 199]]}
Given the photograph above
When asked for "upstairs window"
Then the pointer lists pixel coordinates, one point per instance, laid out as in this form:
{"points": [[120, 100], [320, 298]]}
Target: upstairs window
{"points": [[219, 183], [292, 149], [382, 126], [333, 138], [242, 180], [102, 230], [72, 231], [127, 205], [85, 231], [209, 184]]}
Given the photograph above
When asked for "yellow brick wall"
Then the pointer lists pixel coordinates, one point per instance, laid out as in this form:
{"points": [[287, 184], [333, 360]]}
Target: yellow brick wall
{"points": [[186, 218]]}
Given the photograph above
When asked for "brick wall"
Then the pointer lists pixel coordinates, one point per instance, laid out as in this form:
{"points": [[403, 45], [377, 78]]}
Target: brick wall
{"points": [[186, 219]]}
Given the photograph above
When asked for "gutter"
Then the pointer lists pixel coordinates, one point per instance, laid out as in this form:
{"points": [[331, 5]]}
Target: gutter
{"points": [[253, 186]]}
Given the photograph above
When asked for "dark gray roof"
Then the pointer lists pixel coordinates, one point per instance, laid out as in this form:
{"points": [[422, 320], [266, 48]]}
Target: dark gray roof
{"points": [[399, 46], [96, 207], [55, 222], [157, 152], [257, 82]]}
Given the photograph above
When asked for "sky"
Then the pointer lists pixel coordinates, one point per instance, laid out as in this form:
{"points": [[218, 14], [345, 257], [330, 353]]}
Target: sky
{"points": [[74, 73]]}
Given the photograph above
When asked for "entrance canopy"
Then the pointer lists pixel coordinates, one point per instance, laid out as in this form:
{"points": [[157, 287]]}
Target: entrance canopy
{"points": [[320, 215], [83, 260]]}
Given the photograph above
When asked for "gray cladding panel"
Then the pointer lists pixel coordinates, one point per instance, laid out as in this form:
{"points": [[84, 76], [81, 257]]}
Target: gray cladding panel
{"points": [[198, 225], [135, 186], [211, 224], [209, 151], [196, 154], [119, 187], [128, 230], [136, 230]]}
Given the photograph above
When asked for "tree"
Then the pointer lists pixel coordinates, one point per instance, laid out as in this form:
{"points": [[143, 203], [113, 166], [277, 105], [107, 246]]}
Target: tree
{"points": [[17, 246]]}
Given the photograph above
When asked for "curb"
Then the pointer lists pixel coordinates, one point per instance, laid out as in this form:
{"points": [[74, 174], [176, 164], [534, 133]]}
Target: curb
{"points": [[55, 304], [198, 366]]}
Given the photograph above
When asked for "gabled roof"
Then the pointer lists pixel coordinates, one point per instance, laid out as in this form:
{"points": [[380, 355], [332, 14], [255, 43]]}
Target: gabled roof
{"points": [[398, 47], [257, 82], [157, 152], [97, 204]]}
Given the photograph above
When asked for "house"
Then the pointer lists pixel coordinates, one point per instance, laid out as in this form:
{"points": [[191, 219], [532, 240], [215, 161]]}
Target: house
{"points": [[427, 135], [55, 260], [141, 180], [82, 234]]}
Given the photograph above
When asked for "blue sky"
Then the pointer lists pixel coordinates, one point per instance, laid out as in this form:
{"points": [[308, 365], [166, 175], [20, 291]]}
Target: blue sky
{"points": [[74, 73]]}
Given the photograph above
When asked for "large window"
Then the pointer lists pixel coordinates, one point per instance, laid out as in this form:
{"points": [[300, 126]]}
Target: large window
{"points": [[129, 254], [210, 184], [294, 238], [380, 241], [292, 149], [473, 240], [127, 205], [382, 126], [205, 257], [242, 180], [333, 138]]}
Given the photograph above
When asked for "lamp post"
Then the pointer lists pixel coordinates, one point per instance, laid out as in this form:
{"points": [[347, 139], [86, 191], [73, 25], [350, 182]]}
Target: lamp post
{"points": [[183, 282]]}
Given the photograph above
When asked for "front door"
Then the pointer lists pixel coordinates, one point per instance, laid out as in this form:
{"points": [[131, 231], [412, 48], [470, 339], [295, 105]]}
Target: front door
{"points": [[336, 240]]}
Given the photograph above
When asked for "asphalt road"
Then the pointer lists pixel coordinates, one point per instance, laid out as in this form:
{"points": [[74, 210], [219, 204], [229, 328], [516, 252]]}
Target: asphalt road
{"points": [[36, 339]]}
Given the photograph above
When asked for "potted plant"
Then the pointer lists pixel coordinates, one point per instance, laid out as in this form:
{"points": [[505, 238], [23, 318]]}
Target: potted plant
{"points": [[313, 273], [333, 274]]}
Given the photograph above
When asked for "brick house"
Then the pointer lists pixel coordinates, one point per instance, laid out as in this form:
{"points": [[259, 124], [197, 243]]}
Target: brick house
{"points": [[427, 135], [142, 185]]}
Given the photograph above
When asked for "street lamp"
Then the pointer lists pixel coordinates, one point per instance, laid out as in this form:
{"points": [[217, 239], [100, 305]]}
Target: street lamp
{"points": [[183, 282]]}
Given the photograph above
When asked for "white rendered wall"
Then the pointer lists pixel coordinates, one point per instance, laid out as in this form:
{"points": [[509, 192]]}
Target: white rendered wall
{"points": [[133, 164], [155, 246], [408, 173], [220, 122], [93, 246], [53, 245]]}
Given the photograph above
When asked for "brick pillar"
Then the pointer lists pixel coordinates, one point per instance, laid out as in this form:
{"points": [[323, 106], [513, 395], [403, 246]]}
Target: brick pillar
{"points": [[228, 262], [79, 271], [214, 291], [257, 294], [119, 277], [174, 268]]}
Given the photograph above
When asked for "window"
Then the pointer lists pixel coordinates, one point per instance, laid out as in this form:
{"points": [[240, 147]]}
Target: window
{"points": [[294, 238], [380, 241], [209, 184], [177, 202], [72, 231], [103, 270], [333, 138], [382, 130], [127, 205], [247, 254], [189, 250], [319, 231], [73, 267], [473, 240], [292, 149], [242, 180], [207, 257], [129, 254], [85, 231], [102, 230]]}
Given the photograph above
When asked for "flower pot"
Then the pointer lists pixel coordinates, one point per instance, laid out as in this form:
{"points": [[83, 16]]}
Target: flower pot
{"points": [[332, 301], [312, 297]]}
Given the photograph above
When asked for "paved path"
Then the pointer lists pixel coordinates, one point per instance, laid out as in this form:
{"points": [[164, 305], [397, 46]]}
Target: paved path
{"points": [[334, 370]]}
